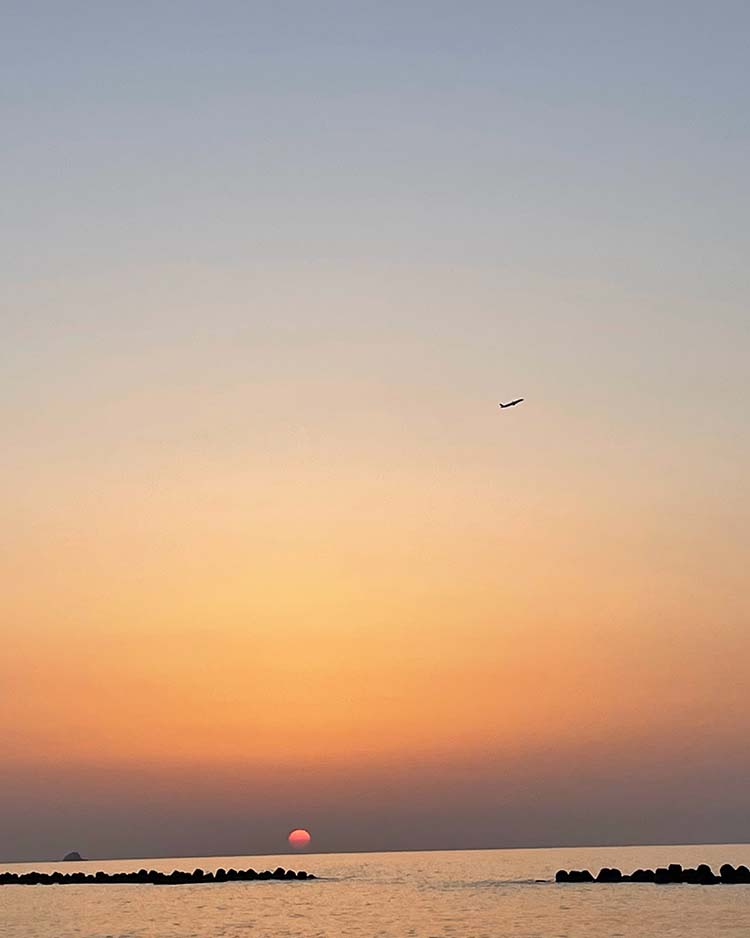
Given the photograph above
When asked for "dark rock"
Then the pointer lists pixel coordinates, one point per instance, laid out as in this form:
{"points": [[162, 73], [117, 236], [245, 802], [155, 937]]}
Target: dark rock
{"points": [[562, 876], [727, 873], [675, 872], [279, 872], [73, 856], [742, 873], [661, 877], [302, 875]]}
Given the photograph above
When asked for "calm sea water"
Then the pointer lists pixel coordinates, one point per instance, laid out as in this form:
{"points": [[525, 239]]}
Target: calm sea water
{"points": [[471, 894]]}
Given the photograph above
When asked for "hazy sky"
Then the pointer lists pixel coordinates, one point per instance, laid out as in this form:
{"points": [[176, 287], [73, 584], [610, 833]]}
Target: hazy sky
{"points": [[271, 555]]}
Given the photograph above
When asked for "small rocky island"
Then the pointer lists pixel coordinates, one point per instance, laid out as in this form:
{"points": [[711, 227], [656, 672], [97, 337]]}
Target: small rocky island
{"points": [[73, 855], [701, 875], [152, 877]]}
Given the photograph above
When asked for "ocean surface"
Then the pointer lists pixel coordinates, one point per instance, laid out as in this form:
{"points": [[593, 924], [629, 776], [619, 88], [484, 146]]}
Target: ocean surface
{"points": [[451, 894]]}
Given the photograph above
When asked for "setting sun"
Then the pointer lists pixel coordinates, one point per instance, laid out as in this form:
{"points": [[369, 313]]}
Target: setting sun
{"points": [[299, 839]]}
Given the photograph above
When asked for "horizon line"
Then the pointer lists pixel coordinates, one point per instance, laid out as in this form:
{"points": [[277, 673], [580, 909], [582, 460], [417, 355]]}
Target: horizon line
{"points": [[328, 853]]}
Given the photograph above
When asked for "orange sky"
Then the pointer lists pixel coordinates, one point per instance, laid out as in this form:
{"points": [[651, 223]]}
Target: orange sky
{"points": [[356, 612]]}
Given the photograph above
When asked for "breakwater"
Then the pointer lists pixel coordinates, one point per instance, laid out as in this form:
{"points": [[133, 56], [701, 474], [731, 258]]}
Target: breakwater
{"points": [[152, 877], [701, 875]]}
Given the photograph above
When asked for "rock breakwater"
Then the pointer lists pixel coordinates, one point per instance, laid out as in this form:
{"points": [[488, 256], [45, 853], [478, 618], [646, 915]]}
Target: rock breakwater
{"points": [[150, 877], [701, 875]]}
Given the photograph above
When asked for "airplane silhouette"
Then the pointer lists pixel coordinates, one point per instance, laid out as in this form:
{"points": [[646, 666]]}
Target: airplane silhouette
{"points": [[511, 403]]}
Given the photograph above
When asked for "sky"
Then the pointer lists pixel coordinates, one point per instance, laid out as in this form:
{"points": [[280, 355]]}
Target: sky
{"points": [[271, 555]]}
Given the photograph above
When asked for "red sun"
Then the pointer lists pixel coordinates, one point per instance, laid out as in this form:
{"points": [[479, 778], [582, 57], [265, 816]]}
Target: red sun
{"points": [[299, 839]]}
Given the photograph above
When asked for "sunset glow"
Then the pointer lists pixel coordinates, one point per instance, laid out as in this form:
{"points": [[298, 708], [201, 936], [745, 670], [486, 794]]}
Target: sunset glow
{"points": [[271, 553]]}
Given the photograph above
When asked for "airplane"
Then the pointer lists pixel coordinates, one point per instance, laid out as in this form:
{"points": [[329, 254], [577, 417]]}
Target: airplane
{"points": [[511, 403]]}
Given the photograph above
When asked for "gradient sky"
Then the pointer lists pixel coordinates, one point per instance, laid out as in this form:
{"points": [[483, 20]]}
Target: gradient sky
{"points": [[271, 556]]}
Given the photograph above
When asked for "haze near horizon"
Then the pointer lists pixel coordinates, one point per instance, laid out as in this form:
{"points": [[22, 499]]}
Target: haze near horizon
{"points": [[273, 556]]}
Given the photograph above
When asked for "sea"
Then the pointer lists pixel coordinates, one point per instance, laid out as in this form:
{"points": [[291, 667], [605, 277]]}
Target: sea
{"points": [[435, 894]]}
